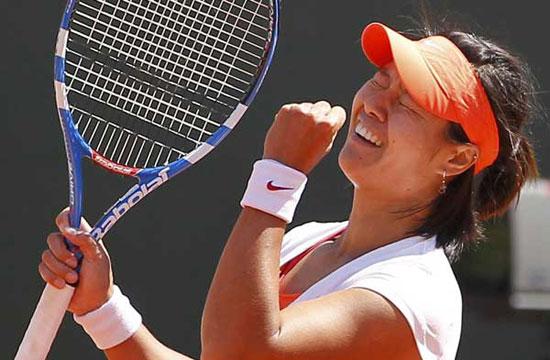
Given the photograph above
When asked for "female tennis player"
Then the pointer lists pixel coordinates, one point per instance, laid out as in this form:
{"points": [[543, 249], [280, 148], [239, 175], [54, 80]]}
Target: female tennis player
{"points": [[435, 145]]}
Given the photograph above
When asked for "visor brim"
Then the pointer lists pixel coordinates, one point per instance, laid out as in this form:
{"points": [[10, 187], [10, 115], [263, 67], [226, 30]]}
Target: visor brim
{"points": [[439, 78], [383, 45]]}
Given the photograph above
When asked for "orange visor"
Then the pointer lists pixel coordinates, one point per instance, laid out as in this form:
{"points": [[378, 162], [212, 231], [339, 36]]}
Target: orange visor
{"points": [[440, 79]]}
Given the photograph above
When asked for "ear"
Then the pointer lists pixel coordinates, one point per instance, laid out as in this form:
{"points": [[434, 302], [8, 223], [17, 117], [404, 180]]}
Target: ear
{"points": [[462, 158]]}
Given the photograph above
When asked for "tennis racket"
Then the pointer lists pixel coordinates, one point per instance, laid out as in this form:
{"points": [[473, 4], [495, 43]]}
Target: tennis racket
{"points": [[146, 88]]}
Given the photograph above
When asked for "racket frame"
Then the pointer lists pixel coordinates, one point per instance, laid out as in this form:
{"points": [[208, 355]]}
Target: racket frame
{"points": [[53, 303], [149, 179]]}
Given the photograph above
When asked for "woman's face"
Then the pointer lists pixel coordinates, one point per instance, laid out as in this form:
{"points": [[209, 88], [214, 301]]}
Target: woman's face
{"points": [[394, 148]]}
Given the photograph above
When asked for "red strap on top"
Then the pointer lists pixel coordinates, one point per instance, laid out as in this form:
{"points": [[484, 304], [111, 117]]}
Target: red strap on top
{"points": [[287, 299], [285, 269]]}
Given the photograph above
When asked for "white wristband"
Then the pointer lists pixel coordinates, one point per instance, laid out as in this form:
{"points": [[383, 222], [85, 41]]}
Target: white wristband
{"points": [[275, 189], [113, 323]]}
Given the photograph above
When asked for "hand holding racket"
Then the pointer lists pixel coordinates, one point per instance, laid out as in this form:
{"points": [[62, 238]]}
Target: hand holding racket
{"points": [[146, 88], [59, 266]]}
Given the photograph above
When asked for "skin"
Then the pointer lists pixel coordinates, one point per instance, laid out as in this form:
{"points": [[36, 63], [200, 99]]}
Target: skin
{"points": [[241, 319]]}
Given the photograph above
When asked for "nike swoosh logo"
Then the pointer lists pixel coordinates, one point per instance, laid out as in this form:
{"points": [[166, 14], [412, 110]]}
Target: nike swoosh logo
{"points": [[272, 187]]}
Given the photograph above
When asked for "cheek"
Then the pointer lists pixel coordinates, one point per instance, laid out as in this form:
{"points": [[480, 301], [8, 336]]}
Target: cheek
{"points": [[413, 160], [412, 143], [404, 166], [359, 163]]}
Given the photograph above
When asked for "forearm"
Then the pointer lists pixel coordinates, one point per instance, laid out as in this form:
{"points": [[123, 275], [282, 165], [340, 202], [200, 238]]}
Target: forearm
{"points": [[143, 346], [242, 308], [241, 318]]}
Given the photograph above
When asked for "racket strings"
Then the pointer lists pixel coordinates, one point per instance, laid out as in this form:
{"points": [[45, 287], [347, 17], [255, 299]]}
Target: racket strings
{"points": [[157, 108], [138, 147], [151, 98], [122, 119], [119, 86], [147, 56], [156, 54], [124, 146], [150, 81]]}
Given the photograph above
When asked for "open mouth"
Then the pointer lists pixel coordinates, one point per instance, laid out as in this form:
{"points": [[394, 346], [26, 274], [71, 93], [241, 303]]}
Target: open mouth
{"points": [[364, 133]]}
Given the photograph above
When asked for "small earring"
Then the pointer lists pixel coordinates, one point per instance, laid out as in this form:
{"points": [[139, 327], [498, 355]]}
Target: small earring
{"points": [[443, 188]]}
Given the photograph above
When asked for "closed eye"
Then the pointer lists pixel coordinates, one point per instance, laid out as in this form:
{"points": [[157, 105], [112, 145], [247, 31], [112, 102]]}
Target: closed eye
{"points": [[375, 84], [408, 108]]}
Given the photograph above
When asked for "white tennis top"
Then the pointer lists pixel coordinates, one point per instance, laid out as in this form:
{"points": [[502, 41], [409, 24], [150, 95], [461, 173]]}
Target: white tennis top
{"points": [[411, 273]]}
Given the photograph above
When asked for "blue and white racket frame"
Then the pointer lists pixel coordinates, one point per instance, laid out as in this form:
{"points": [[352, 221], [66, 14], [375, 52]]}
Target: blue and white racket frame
{"points": [[53, 303]]}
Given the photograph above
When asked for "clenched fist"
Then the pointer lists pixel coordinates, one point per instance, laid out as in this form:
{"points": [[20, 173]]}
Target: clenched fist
{"points": [[302, 134]]}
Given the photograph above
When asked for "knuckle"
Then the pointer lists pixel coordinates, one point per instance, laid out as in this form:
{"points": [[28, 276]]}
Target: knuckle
{"points": [[44, 272], [61, 253], [49, 240], [323, 105], [59, 218], [52, 239], [296, 109], [51, 262], [301, 112], [44, 257], [287, 108], [281, 112], [341, 113], [63, 271], [309, 115], [304, 106], [41, 270]]}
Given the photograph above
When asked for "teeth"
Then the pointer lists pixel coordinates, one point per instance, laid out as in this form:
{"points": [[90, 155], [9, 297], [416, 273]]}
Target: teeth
{"points": [[362, 131]]}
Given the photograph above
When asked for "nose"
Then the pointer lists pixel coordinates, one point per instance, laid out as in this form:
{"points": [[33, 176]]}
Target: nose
{"points": [[374, 107]]}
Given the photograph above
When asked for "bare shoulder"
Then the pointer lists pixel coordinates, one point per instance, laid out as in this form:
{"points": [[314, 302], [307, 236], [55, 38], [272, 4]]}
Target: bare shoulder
{"points": [[349, 324]]}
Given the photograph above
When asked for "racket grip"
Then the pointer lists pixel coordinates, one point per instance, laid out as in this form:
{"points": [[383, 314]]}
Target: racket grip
{"points": [[44, 323]]}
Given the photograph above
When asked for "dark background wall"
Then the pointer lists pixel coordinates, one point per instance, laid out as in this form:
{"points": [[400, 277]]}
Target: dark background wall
{"points": [[165, 252]]}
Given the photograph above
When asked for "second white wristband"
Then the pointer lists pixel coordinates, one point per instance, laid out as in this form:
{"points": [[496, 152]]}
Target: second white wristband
{"points": [[274, 188], [113, 323]]}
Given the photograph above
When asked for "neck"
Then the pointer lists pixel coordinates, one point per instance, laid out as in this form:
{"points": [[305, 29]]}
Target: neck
{"points": [[374, 223]]}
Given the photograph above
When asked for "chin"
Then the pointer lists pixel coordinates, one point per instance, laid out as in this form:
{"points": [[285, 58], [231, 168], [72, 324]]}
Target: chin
{"points": [[365, 169], [345, 166], [354, 165]]}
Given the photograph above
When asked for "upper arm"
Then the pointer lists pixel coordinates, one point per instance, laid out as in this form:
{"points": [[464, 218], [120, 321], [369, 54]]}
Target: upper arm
{"points": [[350, 324]]}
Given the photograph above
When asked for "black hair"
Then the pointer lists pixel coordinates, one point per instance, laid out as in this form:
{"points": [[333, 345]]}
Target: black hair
{"points": [[456, 216]]}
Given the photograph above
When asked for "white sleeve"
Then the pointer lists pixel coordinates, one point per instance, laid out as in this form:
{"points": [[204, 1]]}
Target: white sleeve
{"points": [[420, 300]]}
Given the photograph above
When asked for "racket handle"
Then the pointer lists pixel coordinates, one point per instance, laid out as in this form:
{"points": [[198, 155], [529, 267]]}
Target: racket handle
{"points": [[44, 323]]}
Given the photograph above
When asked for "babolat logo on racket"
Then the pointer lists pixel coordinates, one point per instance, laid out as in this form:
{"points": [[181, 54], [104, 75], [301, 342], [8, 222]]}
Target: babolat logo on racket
{"points": [[132, 197]]}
